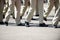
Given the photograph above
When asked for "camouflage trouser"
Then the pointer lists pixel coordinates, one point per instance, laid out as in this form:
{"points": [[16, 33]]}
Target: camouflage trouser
{"points": [[52, 4], [17, 4], [31, 10], [6, 8], [56, 17], [26, 4]]}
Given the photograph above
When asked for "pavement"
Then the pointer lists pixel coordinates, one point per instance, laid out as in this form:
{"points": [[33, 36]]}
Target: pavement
{"points": [[13, 32]]}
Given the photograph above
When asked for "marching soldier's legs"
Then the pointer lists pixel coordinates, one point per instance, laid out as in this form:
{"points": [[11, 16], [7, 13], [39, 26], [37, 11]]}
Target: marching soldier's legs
{"points": [[52, 3], [8, 13], [56, 18], [1, 11], [31, 11], [57, 15], [12, 3], [26, 5], [7, 16], [23, 11], [30, 15], [1, 14], [6, 6], [12, 11], [40, 11], [37, 14], [49, 8], [18, 7], [5, 10]]}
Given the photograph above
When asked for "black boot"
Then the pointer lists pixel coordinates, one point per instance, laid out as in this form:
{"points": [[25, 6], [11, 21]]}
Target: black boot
{"points": [[27, 24], [6, 23], [37, 15], [13, 17], [1, 23], [55, 26], [21, 24], [45, 18], [43, 25]]}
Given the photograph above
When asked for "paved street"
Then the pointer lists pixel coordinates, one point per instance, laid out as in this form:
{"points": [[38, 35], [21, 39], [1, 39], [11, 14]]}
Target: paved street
{"points": [[13, 32]]}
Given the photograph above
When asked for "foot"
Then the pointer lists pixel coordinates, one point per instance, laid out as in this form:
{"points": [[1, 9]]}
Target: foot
{"points": [[13, 17], [6, 23], [45, 19], [21, 24], [55, 26], [43, 25], [37, 15], [1, 23], [27, 24]]}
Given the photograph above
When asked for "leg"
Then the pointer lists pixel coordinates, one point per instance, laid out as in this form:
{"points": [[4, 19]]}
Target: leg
{"points": [[49, 8], [18, 7], [12, 11], [6, 6], [7, 16], [26, 5], [37, 14], [56, 18], [31, 11], [1, 11], [40, 11]]}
